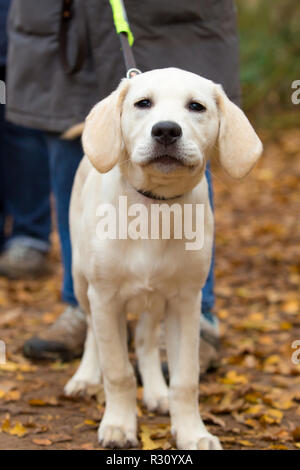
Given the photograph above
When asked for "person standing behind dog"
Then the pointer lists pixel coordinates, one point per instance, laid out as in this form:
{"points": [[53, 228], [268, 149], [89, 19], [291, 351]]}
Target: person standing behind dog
{"points": [[66, 56], [24, 189]]}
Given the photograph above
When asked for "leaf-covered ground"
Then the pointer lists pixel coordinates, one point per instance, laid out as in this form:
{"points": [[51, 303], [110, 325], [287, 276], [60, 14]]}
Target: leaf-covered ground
{"points": [[253, 400]]}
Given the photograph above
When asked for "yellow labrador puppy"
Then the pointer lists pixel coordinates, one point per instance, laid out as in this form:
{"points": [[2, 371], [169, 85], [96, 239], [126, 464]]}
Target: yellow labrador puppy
{"points": [[148, 143]]}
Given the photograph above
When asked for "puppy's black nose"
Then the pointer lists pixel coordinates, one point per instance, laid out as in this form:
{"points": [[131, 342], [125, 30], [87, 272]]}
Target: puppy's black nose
{"points": [[166, 132]]}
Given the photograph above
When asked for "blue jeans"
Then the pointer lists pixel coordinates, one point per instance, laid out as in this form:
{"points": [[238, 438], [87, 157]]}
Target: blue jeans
{"points": [[24, 186], [208, 295], [64, 158]]}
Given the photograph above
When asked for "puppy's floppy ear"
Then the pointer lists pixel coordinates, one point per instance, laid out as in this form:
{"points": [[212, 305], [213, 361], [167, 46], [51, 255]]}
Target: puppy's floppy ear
{"points": [[102, 136], [239, 146]]}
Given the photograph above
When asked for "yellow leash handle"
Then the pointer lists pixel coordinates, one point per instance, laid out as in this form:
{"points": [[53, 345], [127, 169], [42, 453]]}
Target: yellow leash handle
{"points": [[120, 19]]}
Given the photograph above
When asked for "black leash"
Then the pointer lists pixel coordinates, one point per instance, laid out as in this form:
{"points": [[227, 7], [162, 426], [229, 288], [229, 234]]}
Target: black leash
{"points": [[128, 56], [126, 36]]}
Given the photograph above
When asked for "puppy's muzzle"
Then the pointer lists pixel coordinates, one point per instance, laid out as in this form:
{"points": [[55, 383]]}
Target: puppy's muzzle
{"points": [[166, 154]]}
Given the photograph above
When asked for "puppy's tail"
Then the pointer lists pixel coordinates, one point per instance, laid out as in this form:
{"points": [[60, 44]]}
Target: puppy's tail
{"points": [[73, 132]]}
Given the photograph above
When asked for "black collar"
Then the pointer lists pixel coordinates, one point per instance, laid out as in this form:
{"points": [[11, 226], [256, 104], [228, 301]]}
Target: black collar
{"points": [[151, 195]]}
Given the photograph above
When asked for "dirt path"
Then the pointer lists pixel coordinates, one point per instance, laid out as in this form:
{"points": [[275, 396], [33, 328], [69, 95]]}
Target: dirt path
{"points": [[253, 400]]}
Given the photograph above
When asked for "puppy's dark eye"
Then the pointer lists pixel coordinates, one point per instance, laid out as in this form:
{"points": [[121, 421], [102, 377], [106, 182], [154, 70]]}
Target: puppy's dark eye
{"points": [[194, 106], [143, 104]]}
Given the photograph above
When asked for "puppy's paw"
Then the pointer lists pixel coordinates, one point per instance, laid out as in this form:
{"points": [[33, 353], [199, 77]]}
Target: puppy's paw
{"points": [[80, 387], [208, 442], [202, 441], [117, 437], [157, 403]]}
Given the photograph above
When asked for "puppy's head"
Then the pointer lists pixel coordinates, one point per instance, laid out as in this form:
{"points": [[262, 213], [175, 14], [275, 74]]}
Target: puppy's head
{"points": [[162, 126]]}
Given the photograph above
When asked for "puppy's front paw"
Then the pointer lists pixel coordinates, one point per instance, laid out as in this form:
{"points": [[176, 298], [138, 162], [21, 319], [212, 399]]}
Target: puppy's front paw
{"points": [[117, 437], [208, 442], [201, 441], [79, 387]]}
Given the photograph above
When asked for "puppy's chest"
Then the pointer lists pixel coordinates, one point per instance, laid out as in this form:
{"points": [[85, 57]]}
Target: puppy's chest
{"points": [[150, 267]]}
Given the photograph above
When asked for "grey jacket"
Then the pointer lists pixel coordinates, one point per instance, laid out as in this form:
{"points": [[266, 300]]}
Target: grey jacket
{"points": [[196, 35]]}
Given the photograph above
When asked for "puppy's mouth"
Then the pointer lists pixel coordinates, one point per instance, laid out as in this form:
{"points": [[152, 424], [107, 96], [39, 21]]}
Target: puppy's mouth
{"points": [[166, 163], [166, 160]]}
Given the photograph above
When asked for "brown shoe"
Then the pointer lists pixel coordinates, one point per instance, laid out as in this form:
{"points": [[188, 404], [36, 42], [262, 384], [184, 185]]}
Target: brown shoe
{"points": [[64, 340], [20, 261]]}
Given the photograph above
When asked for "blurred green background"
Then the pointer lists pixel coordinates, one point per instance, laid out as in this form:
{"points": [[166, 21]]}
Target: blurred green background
{"points": [[270, 60]]}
